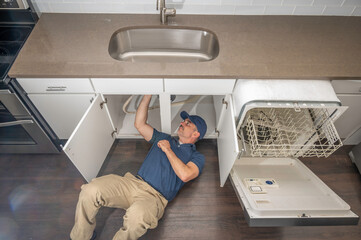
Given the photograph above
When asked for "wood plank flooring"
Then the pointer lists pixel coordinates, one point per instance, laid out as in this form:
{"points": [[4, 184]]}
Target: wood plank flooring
{"points": [[38, 195]]}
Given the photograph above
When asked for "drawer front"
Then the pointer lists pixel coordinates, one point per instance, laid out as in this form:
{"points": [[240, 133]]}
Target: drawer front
{"points": [[347, 86], [128, 85], [56, 85], [199, 86]]}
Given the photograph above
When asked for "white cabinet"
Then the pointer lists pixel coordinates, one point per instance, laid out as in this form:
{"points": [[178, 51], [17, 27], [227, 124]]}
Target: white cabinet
{"points": [[350, 121], [349, 93], [347, 86], [128, 85], [105, 119], [61, 101], [91, 122], [62, 111], [199, 86], [56, 85], [102, 123]]}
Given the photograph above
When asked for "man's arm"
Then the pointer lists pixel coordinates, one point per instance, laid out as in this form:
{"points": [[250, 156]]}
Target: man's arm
{"points": [[141, 117], [186, 172]]}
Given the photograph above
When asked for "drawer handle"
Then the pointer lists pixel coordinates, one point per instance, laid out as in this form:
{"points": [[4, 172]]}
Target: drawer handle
{"points": [[15, 123], [56, 89]]}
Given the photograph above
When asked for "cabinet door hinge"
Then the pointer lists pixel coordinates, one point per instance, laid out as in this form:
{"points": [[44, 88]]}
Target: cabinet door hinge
{"points": [[225, 102], [114, 133], [102, 103], [217, 132]]}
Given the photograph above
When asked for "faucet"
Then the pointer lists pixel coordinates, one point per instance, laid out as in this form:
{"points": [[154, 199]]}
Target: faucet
{"points": [[165, 12]]}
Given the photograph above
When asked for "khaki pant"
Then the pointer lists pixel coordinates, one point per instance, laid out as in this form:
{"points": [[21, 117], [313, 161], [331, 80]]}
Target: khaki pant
{"points": [[144, 206]]}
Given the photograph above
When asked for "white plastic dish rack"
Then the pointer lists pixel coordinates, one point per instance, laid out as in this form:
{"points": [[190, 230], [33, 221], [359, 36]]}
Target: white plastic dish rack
{"points": [[286, 132]]}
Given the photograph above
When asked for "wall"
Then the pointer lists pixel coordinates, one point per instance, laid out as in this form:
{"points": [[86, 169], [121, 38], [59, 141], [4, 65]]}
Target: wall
{"points": [[228, 7]]}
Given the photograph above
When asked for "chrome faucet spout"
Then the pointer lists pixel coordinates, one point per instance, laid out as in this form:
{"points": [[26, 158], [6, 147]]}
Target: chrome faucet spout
{"points": [[164, 11]]}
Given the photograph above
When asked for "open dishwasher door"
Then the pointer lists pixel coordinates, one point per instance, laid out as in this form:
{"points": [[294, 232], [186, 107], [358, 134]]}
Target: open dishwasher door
{"points": [[278, 121], [284, 192]]}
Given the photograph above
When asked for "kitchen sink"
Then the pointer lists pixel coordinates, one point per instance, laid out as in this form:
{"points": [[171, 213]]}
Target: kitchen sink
{"points": [[163, 44]]}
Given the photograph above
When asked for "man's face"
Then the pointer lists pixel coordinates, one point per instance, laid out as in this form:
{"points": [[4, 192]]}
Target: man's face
{"points": [[186, 129]]}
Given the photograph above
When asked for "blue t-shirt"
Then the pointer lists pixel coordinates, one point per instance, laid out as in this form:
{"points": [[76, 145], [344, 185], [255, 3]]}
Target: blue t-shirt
{"points": [[157, 171]]}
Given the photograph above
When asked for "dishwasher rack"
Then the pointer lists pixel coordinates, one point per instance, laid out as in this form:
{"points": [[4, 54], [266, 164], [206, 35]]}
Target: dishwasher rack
{"points": [[289, 132]]}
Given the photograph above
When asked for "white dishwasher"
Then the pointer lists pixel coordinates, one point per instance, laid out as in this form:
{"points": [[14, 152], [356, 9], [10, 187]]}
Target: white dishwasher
{"points": [[264, 126]]}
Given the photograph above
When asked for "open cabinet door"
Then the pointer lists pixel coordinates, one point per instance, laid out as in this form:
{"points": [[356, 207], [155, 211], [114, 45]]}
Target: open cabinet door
{"points": [[227, 140], [91, 140]]}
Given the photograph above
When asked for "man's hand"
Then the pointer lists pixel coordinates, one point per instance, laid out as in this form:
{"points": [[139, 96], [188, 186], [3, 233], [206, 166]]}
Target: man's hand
{"points": [[164, 145], [185, 172]]}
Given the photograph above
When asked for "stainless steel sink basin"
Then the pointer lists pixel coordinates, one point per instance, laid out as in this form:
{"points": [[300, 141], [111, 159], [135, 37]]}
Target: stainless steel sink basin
{"points": [[163, 44]]}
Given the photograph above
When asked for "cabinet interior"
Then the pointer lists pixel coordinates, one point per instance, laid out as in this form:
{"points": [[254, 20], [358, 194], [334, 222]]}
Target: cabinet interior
{"points": [[193, 104], [201, 105], [122, 109]]}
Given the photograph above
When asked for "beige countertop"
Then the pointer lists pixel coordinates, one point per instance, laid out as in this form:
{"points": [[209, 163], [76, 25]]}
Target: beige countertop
{"points": [[299, 47]]}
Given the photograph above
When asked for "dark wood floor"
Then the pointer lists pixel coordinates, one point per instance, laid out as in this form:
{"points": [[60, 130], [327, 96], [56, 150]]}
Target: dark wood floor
{"points": [[39, 195]]}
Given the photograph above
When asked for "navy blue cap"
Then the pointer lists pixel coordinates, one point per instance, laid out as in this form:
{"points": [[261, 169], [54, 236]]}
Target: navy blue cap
{"points": [[198, 121]]}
